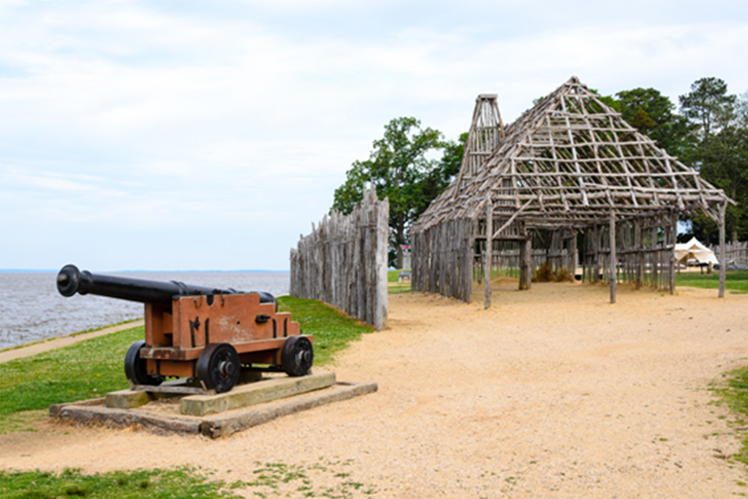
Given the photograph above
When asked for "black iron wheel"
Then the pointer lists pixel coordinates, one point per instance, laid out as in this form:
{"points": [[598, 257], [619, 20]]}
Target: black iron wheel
{"points": [[218, 367], [297, 355], [136, 369]]}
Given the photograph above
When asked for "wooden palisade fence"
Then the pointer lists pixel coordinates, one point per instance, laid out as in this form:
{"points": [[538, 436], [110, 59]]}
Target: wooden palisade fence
{"points": [[343, 262], [736, 253]]}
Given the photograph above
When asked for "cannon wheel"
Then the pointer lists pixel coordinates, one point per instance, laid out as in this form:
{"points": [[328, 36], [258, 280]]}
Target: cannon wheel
{"points": [[136, 368], [297, 356], [218, 367]]}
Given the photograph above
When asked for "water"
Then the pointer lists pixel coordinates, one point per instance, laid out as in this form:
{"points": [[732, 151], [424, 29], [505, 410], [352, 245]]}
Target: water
{"points": [[31, 309]]}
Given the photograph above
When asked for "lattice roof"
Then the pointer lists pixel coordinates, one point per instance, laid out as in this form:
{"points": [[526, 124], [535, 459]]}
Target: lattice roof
{"points": [[568, 162]]}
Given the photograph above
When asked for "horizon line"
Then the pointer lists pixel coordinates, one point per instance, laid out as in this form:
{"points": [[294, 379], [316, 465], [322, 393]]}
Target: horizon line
{"points": [[248, 271]]}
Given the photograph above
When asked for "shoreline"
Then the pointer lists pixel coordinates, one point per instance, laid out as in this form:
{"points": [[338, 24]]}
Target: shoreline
{"points": [[22, 351]]}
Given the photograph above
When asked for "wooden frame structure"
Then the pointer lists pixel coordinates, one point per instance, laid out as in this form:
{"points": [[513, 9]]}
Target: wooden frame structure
{"points": [[569, 172]]}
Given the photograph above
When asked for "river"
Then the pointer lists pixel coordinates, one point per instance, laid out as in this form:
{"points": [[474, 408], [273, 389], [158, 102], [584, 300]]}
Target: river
{"points": [[31, 309]]}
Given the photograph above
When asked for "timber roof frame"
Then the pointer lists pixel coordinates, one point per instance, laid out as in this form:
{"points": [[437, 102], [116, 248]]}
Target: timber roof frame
{"points": [[569, 161]]}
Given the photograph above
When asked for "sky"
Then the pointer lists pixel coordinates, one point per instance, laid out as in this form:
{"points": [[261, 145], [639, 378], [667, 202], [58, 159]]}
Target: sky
{"points": [[185, 135]]}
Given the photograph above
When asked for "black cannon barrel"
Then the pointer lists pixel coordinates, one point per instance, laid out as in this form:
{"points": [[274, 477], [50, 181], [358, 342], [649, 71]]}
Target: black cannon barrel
{"points": [[70, 280]]}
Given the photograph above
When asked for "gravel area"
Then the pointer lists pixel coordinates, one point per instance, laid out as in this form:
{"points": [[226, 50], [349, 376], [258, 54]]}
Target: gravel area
{"points": [[550, 393]]}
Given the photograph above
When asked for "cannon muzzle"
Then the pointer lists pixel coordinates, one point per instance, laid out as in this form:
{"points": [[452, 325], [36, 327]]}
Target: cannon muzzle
{"points": [[70, 280]]}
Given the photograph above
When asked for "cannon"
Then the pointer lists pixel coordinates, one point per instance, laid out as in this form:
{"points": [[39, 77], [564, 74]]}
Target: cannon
{"points": [[200, 333]]}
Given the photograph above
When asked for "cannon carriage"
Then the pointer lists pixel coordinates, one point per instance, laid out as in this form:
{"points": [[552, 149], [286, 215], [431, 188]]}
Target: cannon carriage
{"points": [[200, 333]]}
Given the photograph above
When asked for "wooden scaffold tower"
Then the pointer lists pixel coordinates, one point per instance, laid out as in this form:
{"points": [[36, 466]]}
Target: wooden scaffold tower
{"points": [[568, 179]]}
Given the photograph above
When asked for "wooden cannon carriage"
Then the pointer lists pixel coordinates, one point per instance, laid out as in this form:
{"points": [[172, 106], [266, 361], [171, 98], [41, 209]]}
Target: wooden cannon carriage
{"points": [[200, 333]]}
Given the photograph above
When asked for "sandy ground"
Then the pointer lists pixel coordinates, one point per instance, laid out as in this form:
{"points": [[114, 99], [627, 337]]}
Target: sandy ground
{"points": [[550, 393]]}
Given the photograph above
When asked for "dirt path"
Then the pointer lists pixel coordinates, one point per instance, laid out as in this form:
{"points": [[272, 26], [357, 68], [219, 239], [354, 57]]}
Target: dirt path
{"points": [[551, 393], [63, 341]]}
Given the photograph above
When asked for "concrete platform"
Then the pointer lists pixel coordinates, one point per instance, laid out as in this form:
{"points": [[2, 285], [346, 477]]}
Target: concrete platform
{"points": [[163, 415]]}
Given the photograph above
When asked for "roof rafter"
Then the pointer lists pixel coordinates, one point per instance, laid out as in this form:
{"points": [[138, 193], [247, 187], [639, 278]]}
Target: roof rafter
{"points": [[569, 160]]}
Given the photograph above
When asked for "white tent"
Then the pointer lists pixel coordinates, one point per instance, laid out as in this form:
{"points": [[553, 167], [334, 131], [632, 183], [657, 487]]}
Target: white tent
{"points": [[694, 249]]}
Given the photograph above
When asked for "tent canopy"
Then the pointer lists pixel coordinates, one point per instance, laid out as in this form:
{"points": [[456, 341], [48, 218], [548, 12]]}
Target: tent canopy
{"points": [[694, 249]]}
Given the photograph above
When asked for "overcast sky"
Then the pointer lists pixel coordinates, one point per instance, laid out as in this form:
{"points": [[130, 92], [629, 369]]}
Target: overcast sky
{"points": [[180, 135]]}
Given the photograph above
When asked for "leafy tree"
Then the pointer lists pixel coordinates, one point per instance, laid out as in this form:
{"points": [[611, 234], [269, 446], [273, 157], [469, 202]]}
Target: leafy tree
{"points": [[647, 110], [708, 106], [642, 121], [720, 152], [399, 169]]}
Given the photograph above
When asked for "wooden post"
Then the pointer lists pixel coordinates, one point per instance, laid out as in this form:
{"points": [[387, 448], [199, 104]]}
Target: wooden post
{"points": [[655, 259], [522, 260], [487, 253], [673, 237], [612, 256], [640, 254], [525, 263], [596, 254], [575, 255], [722, 249]]}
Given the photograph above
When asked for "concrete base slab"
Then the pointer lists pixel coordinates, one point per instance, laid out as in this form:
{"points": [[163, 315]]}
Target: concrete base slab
{"points": [[165, 416]]}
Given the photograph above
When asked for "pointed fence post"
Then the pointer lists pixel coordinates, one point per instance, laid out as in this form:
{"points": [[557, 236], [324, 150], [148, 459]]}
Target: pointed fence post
{"points": [[489, 248], [722, 249], [673, 261], [613, 275]]}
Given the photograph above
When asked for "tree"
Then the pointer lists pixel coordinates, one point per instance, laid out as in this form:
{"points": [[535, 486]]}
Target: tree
{"points": [[720, 152], [399, 170], [708, 106], [647, 110]]}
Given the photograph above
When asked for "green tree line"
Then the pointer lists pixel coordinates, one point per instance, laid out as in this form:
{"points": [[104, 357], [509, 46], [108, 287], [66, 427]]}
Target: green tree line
{"points": [[412, 164]]}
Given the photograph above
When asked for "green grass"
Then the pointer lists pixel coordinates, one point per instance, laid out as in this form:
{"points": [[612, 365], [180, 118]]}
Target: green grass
{"points": [[78, 333], [735, 280], [270, 479], [399, 289], [332, 330], [735, 395], [393, 275], [277, 479], [177, 483], [87, 369], [93, 367]]}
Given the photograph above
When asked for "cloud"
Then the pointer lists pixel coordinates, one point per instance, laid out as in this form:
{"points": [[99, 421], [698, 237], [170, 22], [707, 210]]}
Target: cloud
{"points": [[142, 118]]}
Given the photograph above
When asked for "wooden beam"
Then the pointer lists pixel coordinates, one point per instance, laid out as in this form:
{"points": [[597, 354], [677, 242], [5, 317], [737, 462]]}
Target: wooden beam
{"points": [[508, 222]]}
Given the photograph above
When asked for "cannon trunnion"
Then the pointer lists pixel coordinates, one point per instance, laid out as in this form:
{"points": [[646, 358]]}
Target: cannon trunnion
{"points": [[200, 333]]}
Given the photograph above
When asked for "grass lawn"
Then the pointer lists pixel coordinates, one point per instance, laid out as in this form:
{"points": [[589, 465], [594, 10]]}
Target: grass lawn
{"points": [[735, 280], [332, 330], [394, 275], [735, 395], [394, 286], [93, 367], [180, 482], [323, 478]]}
